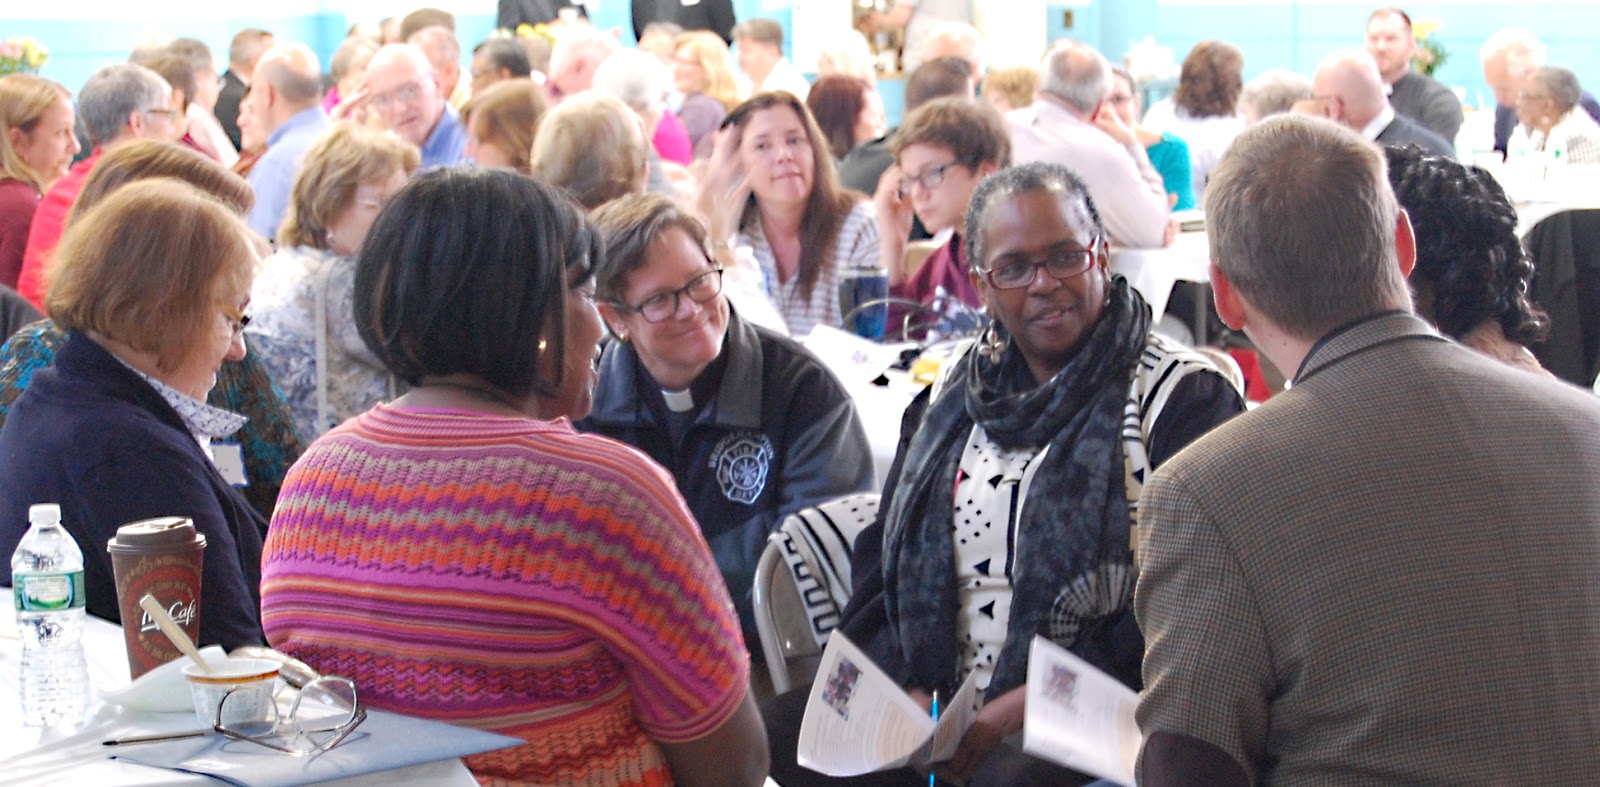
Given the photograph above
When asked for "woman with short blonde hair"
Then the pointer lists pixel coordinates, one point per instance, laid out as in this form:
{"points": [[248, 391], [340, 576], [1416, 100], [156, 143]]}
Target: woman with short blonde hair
{"points": [[36, 147], [303, 327], [702, 70], [594, 147]]}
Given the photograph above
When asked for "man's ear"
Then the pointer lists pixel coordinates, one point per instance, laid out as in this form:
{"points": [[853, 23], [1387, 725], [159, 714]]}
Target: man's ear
{"points": [[1229, 306], [613, 320], [1405, 243]]}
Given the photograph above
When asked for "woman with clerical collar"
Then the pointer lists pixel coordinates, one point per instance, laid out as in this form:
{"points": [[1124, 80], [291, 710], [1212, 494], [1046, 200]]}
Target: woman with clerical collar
{"points": [[751, 425]]}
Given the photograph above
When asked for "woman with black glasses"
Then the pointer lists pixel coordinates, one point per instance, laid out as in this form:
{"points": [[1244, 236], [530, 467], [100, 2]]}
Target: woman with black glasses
{"points": [[751, 425]]}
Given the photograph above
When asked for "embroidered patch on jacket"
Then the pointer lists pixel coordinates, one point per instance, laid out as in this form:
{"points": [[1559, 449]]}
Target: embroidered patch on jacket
{"points": [[742, 460]]}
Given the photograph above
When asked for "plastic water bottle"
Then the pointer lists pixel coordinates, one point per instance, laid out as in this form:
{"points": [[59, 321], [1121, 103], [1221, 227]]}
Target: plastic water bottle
{"points": [[47, 579]]}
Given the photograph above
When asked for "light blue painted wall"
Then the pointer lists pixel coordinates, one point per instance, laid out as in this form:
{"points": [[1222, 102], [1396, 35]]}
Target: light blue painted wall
{"points": [[1297, 34], [86, 34]]}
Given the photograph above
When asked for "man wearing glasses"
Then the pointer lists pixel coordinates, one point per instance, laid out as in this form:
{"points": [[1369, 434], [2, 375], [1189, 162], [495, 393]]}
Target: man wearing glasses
{"points": [[121, 101], [1070, 123], [1348, 90], [401, 88]]}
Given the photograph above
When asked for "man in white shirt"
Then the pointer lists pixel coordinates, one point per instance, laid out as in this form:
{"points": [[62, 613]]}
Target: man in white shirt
{"points": [[759, 45], [1070, 123], [1348, 90]]}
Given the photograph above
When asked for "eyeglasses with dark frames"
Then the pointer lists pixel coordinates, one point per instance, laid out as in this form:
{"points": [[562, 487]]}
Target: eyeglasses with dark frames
{"points": [[930, 179], [323, 714], [661, 306], [1060, 264]]}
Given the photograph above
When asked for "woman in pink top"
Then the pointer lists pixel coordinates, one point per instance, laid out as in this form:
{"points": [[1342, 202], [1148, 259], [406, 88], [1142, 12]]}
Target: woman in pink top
{"points": [[463, 554]]}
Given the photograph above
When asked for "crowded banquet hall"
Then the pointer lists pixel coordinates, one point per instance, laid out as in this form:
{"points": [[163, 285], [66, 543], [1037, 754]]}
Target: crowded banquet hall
{"points": [[566, 392]]}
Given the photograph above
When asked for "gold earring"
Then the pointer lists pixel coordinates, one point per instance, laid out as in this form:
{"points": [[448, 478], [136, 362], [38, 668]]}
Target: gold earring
{"points": [[541, 345], [991, 346]]}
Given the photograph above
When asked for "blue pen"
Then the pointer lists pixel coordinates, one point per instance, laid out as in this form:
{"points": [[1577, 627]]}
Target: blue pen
{"points": [[935, 721]]}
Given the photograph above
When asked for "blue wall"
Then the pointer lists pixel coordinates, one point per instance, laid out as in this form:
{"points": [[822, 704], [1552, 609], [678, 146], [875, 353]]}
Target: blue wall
{"points": [[86, 34], [1296, 35]]}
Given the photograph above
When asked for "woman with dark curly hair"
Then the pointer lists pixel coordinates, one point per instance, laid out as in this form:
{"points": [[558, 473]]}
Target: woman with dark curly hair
{"points": [[1203, 112], [1471, 278]]}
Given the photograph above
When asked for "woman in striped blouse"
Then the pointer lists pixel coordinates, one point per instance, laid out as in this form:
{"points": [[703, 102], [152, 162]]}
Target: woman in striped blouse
{"points": [[464, 555]]}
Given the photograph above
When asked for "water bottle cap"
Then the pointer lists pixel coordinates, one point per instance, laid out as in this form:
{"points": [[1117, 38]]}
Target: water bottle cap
{"points": [[44, 514]]}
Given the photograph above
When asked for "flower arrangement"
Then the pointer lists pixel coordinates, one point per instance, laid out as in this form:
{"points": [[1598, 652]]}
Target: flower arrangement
{"points": [[1430, 53], [541, 30], [22, 55]]}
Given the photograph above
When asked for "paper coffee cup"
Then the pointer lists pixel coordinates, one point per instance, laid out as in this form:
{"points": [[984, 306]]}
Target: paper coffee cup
{"points": [[162, 557]]}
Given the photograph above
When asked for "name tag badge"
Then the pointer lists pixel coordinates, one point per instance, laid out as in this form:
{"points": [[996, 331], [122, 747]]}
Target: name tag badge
{"points": [[687, 3], [230, 461]]}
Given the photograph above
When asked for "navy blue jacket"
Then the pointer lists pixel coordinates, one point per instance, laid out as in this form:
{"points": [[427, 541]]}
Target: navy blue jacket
{"points": [[90, 434], [779, 434]]}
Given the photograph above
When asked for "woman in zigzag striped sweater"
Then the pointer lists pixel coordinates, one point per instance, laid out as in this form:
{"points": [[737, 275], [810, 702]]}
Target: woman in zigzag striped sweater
{"points": [[463, 554]]}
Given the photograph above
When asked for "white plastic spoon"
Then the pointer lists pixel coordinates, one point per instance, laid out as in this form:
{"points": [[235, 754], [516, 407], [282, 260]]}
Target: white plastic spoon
{"points": [[173, 631]]}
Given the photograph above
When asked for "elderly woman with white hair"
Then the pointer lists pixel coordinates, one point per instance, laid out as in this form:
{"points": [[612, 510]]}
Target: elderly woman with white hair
{"points": [[1550, 121], [640, 80]]}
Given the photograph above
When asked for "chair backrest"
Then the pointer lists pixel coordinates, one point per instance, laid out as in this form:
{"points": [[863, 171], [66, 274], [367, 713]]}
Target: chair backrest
{"points": [[802, 584]]}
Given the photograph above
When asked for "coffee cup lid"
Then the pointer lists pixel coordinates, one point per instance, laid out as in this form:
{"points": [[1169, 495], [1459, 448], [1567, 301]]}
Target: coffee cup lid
{"points": [[166, 531]]}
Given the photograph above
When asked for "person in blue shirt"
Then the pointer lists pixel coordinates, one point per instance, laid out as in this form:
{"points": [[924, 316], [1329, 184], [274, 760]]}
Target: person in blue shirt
{"points": [[285, 102], [1168, 154], [400, 87]]}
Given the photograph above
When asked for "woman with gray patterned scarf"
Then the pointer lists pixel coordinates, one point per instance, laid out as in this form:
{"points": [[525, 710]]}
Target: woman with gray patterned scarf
{"points": [[1011, 510]]}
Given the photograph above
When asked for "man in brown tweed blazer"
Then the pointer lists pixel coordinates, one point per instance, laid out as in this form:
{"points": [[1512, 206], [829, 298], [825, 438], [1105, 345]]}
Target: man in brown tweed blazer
{"points": [[1389, 574]]}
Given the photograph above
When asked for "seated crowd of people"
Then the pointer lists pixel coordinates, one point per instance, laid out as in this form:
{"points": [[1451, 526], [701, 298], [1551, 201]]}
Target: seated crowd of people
{"points": [[487, 389]]}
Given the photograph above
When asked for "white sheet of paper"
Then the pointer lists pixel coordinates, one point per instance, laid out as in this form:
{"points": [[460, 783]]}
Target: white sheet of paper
{"points": [[852, 359], [1079, 716], [858, 721]]}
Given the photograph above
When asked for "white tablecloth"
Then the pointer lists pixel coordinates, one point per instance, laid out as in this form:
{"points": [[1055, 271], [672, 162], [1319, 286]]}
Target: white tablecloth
{"points": [[74, 756], [1153, 271]]}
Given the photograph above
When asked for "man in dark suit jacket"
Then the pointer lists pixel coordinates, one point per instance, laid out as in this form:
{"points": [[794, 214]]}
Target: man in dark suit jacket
{"points": [[1348, 90], [1387, 573], [247, 46]]}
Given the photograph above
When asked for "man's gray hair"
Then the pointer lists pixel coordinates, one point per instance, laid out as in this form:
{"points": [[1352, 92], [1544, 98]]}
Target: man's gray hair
{"points": [[1033, 176], [1521, 48], [1561, 85], [293, 71], [576, 37], [1302, 221], [1076, 74], [193, 50], [1273, 92], [634, 77], [115, 92]]}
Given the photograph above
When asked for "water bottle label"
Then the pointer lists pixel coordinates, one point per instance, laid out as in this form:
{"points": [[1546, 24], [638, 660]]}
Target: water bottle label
{"points": [[49, 592]]}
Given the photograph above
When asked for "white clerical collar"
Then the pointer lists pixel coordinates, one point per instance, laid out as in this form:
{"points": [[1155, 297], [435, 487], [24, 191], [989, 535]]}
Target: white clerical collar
{"points": [[679, 401], [1379, 123]]}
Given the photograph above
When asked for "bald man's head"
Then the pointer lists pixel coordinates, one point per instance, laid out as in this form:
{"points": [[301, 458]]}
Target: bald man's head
{"points": [[401, 86], [1349, 87], [287, 80]]}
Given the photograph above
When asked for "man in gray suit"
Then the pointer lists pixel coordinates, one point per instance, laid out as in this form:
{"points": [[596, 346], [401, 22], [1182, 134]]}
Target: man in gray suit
{"points": [[1390, 573], [1348, 90]]}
